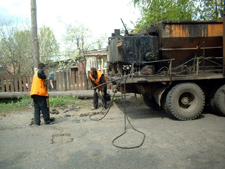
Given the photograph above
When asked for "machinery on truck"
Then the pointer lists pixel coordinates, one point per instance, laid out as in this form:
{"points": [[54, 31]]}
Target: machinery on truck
{"points": [[178, 66]]}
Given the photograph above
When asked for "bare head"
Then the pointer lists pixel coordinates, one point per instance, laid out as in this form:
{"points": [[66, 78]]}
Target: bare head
{"points": [[41, 66]]}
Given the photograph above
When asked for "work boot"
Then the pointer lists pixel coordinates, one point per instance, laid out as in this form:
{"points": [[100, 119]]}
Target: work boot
{"points": [[49, 123], [94, 108]]}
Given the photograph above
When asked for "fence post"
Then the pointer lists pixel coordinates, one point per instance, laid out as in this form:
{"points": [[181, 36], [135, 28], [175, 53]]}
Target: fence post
{"points": [[70, 80], [24, 83], [89, 81], [76, 81], [16, 83], [80, 80], [7, 84], [65, 80], [57, 81], [20, 83], [3, 84], [61, 81], [29, 82], [73, 79]]}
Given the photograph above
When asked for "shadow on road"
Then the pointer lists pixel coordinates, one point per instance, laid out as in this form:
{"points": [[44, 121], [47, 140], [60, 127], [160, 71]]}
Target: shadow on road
{"points": [[136, 109]]}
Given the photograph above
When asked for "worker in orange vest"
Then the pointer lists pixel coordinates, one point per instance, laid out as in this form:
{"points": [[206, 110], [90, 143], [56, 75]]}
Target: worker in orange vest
{"points": [[98, 78], [39, 94]]}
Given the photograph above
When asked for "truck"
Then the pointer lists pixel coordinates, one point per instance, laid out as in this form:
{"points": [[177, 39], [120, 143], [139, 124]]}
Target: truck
{"points": [[177, 66]]}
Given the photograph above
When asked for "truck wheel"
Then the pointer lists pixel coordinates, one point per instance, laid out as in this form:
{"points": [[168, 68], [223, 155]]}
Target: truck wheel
{"points": [[219, 100], [164, 106], [185, 101], [150, 102], [211, 99]]}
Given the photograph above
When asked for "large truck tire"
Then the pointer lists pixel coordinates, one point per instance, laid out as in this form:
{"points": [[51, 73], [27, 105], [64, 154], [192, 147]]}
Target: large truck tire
{"points": [[211, 99], [185, 101], [164, 105], [150, 102], [219, 100]]}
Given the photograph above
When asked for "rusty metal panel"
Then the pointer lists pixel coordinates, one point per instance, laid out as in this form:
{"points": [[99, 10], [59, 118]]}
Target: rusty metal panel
{"points": [[192, 29], [224, 46], [181, 39]]}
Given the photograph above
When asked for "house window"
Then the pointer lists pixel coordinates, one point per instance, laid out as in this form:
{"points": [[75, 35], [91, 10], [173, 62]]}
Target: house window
{"points": [[99, 64], [93, 63], [105, 62]]}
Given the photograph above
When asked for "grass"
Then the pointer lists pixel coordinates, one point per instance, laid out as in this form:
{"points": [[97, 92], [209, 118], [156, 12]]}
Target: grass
{"points": [[27, 102], [14, 105], [62, 100]]}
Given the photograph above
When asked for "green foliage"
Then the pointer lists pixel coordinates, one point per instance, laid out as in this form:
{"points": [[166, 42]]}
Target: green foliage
{"points": [[15, 105], [47, 43], [62, 100], [116, 100], [76, 38], [16, 47], [210, 9], [160, 10]]}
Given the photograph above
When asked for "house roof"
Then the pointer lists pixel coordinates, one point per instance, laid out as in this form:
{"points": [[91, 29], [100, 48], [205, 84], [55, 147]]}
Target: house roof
{"points": [[101, 52]]}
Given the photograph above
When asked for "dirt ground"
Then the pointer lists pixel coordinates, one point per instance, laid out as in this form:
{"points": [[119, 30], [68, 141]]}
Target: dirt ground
{"points": [[77, 142]]}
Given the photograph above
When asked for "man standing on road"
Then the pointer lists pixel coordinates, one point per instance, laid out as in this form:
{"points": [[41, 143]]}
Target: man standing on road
{"points": [[98, 78], [51, 81], [39, 94]]}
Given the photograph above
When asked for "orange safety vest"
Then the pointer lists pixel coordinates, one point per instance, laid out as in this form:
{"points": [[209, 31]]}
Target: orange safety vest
{"points": [[38, 87], [97, 81]]}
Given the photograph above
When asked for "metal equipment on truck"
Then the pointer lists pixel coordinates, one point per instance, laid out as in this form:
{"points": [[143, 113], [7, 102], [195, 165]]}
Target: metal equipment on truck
{"points": [[178, 66]]}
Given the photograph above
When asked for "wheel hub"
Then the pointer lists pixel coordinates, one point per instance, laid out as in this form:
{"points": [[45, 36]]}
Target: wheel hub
{"points": [[185, 100]]}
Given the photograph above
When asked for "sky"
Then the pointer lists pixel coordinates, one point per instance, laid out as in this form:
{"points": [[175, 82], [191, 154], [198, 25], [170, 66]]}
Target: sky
{"points": [[100, 16]]}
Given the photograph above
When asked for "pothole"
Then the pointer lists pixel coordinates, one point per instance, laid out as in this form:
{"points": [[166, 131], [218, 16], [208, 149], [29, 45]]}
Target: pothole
{"points": [[61, 138]]}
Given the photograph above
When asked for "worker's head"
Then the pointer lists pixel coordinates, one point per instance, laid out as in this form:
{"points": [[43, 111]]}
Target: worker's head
{"points": [[93, 71], [41, 66]]}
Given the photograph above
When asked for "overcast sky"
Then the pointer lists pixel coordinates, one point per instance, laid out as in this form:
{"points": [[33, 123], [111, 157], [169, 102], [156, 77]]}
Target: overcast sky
{"points": [[100, 16]]}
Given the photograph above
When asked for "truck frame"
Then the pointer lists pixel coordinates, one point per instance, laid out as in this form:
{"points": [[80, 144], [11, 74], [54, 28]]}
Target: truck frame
{"points": [[178, 66]]}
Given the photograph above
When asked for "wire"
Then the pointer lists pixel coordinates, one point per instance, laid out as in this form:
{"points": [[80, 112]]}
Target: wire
{"points": [[125, 126], [125, 117], [107, 110]]}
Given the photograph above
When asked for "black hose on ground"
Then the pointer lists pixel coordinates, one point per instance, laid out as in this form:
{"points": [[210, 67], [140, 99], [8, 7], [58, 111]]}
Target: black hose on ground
{"points": [[125, 117]]}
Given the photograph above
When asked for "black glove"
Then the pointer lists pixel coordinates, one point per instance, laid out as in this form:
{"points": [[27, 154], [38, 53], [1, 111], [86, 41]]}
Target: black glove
{"points": [[46, 82]]}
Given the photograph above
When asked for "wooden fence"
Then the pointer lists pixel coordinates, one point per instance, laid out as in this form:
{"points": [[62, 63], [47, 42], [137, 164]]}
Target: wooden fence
{"points": [[65, 81]]}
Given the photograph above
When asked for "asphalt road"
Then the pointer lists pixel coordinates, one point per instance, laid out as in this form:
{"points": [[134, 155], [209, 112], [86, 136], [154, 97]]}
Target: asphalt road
{"points": [[76, 142]]}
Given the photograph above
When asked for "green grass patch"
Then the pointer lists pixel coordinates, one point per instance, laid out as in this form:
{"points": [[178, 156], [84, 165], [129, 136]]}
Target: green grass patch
{"points": [[62, 101], [116, 100], [14, 105], [27, 102]]}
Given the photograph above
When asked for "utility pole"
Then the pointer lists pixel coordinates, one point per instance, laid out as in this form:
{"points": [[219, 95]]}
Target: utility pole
{"points": [[34, 36]]}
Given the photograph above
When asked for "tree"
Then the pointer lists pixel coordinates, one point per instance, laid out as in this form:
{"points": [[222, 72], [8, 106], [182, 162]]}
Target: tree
{"points": [[160, 10], [16, 47], [47, 43], [210, 9], [77, 39]]}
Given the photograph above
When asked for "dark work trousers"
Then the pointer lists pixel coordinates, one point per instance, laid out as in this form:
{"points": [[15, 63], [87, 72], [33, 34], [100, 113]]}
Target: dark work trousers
{"points": [[40, 104], [96, 98]]}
